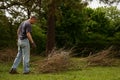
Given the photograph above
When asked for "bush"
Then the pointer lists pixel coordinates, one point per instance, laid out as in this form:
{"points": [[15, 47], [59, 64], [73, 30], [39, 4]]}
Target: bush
{"points": [[39, 38]]}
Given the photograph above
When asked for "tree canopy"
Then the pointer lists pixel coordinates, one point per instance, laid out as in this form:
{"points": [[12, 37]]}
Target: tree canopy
{"points": [[71, 21]]}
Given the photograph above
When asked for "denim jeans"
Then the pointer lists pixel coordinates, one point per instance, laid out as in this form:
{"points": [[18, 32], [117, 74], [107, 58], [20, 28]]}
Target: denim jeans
{"points": [[23, 54]]}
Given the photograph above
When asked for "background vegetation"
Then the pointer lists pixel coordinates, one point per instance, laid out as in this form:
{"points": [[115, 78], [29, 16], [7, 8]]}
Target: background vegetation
{"points": [[76, 25], [68, 24]]}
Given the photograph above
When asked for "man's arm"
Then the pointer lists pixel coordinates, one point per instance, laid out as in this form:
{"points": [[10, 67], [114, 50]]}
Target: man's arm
{"points": [[30, 37], [18, 31]]}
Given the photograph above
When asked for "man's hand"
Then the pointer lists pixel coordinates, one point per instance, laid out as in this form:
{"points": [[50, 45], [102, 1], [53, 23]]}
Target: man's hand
{"points": [[31, 40], [33, 45]]}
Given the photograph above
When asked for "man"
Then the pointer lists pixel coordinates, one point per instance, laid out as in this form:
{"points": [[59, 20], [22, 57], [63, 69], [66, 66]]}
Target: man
{"points": [[24, 37]]}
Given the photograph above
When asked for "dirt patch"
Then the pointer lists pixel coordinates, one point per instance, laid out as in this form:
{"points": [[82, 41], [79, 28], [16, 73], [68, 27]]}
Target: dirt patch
{"points": [[7, 55]]}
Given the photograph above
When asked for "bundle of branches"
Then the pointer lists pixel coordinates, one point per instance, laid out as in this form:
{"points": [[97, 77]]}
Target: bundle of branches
{"points": [[58, 60], [7, 55], [105, 57]]}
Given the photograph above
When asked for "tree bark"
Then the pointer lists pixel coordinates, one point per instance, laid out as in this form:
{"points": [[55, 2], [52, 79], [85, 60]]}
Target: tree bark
{"points": [[28, 13], [51, 28]]}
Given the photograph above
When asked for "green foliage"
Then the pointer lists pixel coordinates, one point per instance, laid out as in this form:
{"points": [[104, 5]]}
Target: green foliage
{"points": [[69, 28], [117, 36], [76, 26], [87, 27], [7, 37], [109, 2], [39, 38]]}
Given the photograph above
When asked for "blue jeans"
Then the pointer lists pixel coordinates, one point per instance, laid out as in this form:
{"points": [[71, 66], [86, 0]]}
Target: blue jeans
{"points": [[23, 53]]}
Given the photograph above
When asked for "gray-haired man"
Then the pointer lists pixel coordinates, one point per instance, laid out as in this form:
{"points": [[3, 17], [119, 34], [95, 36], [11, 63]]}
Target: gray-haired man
{"points": [[24, 36]]}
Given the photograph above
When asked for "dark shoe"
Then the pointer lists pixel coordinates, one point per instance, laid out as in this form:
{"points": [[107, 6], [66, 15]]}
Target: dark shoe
{"points": [[13, 71], [26, 73]]}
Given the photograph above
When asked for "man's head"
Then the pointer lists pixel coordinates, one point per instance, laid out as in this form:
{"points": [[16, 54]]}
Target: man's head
{"points": [[32, 19]]}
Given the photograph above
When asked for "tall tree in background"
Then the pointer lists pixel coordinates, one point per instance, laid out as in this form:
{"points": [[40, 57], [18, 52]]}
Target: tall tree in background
{"points": [[107, 1], [54, 8], [110, 1], [20, 9], [51, 27]]}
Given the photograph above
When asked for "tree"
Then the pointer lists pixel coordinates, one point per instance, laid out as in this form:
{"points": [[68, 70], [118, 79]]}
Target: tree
{"points": [[113, 14], [110, 1], [69, 26], [7, 34], [107, 1], [51, 27], [20, 9], [57, 9]]}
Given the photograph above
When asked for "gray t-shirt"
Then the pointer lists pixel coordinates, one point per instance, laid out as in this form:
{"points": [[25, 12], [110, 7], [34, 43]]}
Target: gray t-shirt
{"points": [[24, 28]]}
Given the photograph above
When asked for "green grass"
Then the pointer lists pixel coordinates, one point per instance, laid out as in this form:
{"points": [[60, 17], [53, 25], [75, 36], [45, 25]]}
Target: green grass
{"points": [[89, 73]]}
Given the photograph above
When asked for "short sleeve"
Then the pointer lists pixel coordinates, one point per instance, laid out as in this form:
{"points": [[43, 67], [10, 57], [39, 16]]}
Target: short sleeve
{"points": [[28, 27]]}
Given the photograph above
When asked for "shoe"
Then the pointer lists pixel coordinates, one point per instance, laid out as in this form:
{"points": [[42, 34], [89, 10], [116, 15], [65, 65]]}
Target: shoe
{"points": [[13, 71], [26, 73]]}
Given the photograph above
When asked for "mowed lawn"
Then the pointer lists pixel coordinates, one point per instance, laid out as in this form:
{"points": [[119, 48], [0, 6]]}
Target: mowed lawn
{"points": [[89, 73]]}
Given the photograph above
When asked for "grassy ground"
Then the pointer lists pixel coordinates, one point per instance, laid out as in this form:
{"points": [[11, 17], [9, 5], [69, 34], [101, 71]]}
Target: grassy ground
{"points": [[89, 73]]}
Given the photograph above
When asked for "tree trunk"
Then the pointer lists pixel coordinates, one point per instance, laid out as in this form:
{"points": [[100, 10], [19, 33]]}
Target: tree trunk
{"points": [[51, 27], [39, 12], [28, 13]]}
